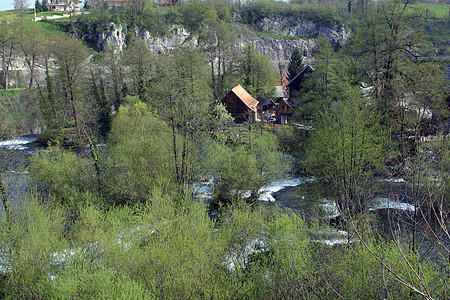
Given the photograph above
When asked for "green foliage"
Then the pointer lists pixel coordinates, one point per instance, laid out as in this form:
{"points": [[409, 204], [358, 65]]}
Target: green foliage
{"points": [[67, 177], [356, 272], [218, 39], [333, 74], [196, 14], [257, 71], [257, 10], [20, 112], [47, 103], [244, 168], [295, 63], [346, 146], [28, 240], [182, 96], [388, 38], [38, 6], [171, 249], [139, 150], [104, 118], [140, 60]]}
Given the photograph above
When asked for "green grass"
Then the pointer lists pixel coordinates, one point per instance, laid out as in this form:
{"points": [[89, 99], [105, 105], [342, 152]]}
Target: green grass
{"points": [[49, 29], [439, 11], [11, 92], [240, 133], [11, 15]]}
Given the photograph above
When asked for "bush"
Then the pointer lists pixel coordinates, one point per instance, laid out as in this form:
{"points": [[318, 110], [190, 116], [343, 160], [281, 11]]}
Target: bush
{"points": [[30, 237], [68, 178]]}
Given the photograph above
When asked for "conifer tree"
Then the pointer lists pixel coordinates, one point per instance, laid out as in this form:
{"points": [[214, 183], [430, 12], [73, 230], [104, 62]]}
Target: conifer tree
{"points": [[104, 111], [47, 103], [295, 63], [44, 5], [38, 6]]}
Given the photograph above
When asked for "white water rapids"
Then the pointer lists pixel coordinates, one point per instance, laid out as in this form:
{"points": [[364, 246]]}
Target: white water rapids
{"points": [[203, 191]]}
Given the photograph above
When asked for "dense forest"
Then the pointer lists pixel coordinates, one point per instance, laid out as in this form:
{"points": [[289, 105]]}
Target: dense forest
{"points": [[110, 206]]}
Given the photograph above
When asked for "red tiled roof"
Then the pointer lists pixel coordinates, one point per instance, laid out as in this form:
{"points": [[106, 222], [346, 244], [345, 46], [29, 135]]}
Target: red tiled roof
{"points": [[242, 94]]}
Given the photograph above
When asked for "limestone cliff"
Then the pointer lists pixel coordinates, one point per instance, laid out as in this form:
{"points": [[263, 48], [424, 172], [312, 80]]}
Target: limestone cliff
{"points": [[275, 36]]}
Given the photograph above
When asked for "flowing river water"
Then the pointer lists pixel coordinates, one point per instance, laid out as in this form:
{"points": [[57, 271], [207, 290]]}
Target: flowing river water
{"points": [[389, 202]]}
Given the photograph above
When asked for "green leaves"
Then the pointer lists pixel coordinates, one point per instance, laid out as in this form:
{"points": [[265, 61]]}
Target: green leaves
{"points": [[295, 63], [346, 146], [258, 73]]}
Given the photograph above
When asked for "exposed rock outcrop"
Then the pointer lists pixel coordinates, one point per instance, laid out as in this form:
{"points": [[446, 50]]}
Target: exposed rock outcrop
{"points": [[300, 33], [114, 38], [294, 26], [276, 49], [177, 36]]}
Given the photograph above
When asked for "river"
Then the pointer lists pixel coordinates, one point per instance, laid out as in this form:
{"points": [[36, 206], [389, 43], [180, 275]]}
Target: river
{"points": [[296, 193]]}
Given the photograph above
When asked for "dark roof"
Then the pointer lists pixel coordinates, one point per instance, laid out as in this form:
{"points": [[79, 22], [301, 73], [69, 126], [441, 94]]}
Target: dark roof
{"points": [[307, 68], [265, 101]]}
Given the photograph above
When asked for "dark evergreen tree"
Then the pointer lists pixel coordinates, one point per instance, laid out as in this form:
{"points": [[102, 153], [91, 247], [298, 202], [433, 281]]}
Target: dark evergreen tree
{"points": [[104, 111], [44, 6], [295, 63], [48, 102], [103, 106], [38, 6]]}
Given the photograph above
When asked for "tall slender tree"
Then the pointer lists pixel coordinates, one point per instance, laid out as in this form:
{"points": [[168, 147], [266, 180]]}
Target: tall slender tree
{"points": [[8, 47], [387, 38], [182, 96], [295, 63], [258, 73], [71, 56]]}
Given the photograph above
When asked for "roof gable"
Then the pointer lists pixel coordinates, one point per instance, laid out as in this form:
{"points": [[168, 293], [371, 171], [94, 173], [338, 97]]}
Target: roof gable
{"points": [[283, 103], [305, 70], [245, 97]]}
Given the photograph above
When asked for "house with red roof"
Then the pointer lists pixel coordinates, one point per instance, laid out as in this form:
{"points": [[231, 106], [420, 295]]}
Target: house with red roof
{"points": [[241, 105]]}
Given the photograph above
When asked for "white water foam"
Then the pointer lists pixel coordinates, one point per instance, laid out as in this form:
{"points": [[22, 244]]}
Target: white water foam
{"points": [[275, 186], [203, 190], [332, 237], [382, 203], [330, 208], [392, 180], [18, 143]]}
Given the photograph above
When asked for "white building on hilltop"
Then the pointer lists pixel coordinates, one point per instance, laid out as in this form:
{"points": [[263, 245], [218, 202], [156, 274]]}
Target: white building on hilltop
{"points": [[63, 5]]}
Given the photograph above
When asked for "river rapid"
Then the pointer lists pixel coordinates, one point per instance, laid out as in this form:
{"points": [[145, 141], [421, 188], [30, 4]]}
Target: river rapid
{"points": [[298, 194]]}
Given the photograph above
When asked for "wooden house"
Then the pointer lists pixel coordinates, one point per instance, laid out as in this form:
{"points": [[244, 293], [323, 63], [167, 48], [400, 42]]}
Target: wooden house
{"points": [[283, 112], [241, 105], [266, 109], [297, 83]]}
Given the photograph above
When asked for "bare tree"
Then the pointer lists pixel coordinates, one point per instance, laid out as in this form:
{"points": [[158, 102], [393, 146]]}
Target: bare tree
{"points": [[21, 4], [8, 45]]}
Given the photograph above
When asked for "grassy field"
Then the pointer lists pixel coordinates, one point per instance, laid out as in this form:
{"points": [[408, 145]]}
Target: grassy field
{"points": [[439, 11], [240, 133], [48, 29], [10, 92], [12, 15]]}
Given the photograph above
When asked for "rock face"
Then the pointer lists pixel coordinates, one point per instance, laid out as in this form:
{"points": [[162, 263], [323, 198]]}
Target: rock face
{"points": [[291, 26], [276, 49], [114, 38], [299, 33], [177, 36]]}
